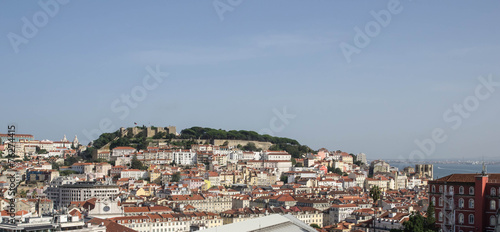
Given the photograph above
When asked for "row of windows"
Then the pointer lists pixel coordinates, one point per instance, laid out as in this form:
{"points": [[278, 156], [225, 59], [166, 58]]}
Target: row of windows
{"points": [[451, 189], [461, 203], [460, 218], [461, 190], [493, 219]]}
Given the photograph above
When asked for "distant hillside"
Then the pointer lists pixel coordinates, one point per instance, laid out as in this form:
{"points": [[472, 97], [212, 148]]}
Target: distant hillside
{"points": [[189, 136], [209, 133]]}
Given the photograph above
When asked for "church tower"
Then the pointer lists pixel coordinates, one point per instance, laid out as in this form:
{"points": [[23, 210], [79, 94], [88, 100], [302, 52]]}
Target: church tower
{"points": [[75, 142]]}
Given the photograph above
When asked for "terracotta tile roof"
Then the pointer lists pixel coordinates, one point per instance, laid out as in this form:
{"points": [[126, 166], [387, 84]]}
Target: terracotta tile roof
{"points": [[4, 213], [285, 197], [123, 148], [76, 212], [187, 197], [465, 178]]}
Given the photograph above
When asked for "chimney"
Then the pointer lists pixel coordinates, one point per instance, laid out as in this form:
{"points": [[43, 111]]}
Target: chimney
{"points": [[479, 190]]}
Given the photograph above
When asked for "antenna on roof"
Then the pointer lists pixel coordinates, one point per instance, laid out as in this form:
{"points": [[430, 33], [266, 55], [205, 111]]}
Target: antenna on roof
{"points": [[484, 169]]}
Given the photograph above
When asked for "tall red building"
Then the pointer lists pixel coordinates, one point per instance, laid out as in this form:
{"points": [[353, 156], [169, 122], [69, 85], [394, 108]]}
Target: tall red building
{"points": [[467, 202]]}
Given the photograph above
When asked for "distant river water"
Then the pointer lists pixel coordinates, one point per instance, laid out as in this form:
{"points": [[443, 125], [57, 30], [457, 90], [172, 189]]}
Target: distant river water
{"points": [[441, 170]]}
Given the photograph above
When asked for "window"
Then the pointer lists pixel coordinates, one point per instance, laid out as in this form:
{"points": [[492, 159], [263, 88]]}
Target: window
{"points": [[433, 199], [451, 190], [440, 216], [433, 188], [471, 203], [471, 190], [493, 192], [460, 203], [471, 218], [492, 221], [461, 218], [440, 201], [493, 205], [440, 188]]}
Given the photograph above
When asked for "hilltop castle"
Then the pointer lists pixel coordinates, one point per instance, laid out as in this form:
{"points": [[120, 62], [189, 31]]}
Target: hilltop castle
{"points": [[149, 131]]}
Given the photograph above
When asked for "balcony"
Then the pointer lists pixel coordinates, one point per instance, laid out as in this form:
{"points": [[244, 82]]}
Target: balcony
{"points": [[449, 194]]}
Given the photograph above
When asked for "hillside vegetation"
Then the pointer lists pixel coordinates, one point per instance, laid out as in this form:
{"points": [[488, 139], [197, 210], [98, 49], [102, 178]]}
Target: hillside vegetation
{"points": [[191, 134]]}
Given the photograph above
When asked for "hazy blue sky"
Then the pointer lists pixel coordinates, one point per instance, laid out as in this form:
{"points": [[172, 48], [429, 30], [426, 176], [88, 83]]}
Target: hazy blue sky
{"points": [[262, 56]]}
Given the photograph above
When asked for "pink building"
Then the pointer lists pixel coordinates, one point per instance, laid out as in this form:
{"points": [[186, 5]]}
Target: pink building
{"points": [[193, 183]]}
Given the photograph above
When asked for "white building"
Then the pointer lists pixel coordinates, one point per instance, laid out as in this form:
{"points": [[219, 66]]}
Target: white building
{"points": [[250, 155], [64, 194], [361, 157], [359, 178], [184, 157], [135, 174], [338, 213], [276, 155], [122, 151]]}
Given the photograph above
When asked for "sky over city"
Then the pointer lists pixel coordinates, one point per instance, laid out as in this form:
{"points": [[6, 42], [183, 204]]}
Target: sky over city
{"points": [[391, 79]]}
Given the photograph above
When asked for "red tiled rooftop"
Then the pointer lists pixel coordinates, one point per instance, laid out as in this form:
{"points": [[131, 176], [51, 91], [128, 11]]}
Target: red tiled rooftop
{"points": [[465, 178]]}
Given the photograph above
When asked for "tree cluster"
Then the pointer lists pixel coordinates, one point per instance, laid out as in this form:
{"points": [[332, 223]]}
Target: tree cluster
{"points": [[71, 160], [294, 150], [41, 151], [176, 177], [163, 135], [336, 171], [250, 147], [189, 135], [355, 160], [137, 164], [67, 172], [419, 223], [104, 139], [210, 134]]}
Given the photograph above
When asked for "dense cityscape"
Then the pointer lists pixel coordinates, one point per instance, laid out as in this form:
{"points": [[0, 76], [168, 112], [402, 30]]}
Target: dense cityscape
{"points": [[249, 116], [154, 179]]}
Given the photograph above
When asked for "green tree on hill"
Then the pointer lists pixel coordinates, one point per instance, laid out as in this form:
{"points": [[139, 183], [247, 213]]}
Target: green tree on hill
{"points": [[121, 142], [70, 161], [191, 134], [250, 147], [55, 166], [41, 151], [284, 178], [160, 135], [431, 217], [137, 164], [67, 172], [417, 223], [104, 139], [375, 193], [176, 177], [143, 144]]}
